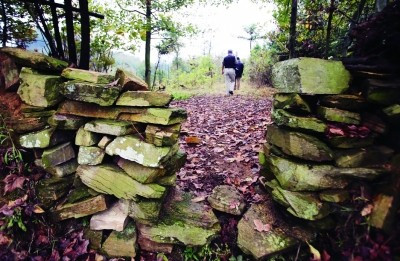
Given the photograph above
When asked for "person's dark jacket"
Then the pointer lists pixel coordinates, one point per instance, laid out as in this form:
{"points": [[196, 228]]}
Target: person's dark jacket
{"points": [[239, 69]]}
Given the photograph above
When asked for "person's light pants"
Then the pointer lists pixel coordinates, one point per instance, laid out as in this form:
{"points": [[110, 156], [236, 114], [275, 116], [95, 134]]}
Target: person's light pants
{"points": [[229, 79]]}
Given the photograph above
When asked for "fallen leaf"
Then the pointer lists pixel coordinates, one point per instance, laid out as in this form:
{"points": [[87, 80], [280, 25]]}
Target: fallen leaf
{"points": [[314, 252], [12, 182], [260, 227], [192, 140], [367, 210], [37, 209]]}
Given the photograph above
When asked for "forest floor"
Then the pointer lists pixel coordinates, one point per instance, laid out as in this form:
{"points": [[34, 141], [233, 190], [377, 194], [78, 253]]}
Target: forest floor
{"points": [[222, 137]]}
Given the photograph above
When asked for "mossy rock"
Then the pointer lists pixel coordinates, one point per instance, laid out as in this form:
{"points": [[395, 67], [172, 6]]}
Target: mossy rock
{"points": [[145, 211], [90, 155], [344, 102], [227, 199], [121, 244], [342, 142], [335, 196], [144, 99], [129, 81], [282, 117], [57, 155], [111, 127], [291, 102], [373, 156], [44, 138], [86, 138], [66, 122], [162, 135], [310, 76], [161, 116], [337, 115], [86, 76]]}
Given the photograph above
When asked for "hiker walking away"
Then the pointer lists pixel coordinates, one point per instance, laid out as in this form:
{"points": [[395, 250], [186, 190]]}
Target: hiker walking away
{"points": [[228, 69], [239, 73]]}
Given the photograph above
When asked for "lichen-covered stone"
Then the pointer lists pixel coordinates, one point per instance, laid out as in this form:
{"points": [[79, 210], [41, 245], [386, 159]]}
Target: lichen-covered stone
{"points": [[44, 138], [375, 156], [114, 218], [121, 244], [86, 138], [300, 204], [134, 149], [342, 142], [66, 122], [80, 209], [291, 101], [296, 176], [103, 143], [57, 155], [344, 102], [34, 60], [227, 199], [111, 127], [335, 196], [298, 144], [129, 81], [39, 90], [145, 211], [161, 116], [337, 115], [145, 174], [261, 244], [110, 179], [161, 135], [86, 76], [144, 99], [101, 94], [90, 155], [310, 76], [282, 117], [169, 180]]}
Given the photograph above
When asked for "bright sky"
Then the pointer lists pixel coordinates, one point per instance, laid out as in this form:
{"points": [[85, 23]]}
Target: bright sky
{"points": [[221, 25]]}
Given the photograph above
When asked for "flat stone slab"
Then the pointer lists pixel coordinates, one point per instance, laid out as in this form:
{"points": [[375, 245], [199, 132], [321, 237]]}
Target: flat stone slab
{"points": [[58, 155], [61, 170], [375, 156], [114, 218], [144, 99], [111, 127], [86, 76], [110, 179], [303, 205], [145, 211], [337, 115], [121, 244], [134, 149], [34, 60], [167, 116], [161, 116], [342, 142], [298, 144], [258, 234], [291, 102], [86, 138], [162, 135], [147, 244], [44, 138], [90, 155], [101, 94], [227, 199], [152, 174], [282, 117], [344, 102], [39, 90], [80, 209], [52, 189], [129, 81], [66, 122], [310, 76], [26, 125]]}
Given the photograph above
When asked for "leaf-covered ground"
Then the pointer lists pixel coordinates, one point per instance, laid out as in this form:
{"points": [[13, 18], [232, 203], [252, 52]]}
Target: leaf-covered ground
{"points": [[222, 137]]}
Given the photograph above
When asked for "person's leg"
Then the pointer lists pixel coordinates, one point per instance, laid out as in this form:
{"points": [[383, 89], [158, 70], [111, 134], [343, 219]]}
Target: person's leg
{"points": [[238, 83], [231, 73], [227, 81]]}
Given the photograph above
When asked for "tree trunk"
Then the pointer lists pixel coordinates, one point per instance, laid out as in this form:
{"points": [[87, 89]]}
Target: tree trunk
{"points": [[292, 36], [353, 22], [85, 35], [155, 71], [57, 35], [148, 43], [4, 19], [47, 35], [70, 32], [329, 28]]}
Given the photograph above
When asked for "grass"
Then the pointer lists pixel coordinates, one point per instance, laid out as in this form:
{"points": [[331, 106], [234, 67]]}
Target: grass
{"points": [[219, 88]]}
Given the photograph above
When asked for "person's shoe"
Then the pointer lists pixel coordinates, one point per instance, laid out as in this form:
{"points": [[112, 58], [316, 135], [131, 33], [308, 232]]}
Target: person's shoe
{"points": [[231, 92]]}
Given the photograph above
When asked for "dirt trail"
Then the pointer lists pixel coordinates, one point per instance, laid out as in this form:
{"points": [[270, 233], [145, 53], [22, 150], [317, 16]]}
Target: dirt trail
{"points": [[231, 130]]}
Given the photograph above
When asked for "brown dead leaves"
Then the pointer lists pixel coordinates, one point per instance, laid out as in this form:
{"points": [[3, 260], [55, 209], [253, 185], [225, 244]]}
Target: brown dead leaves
{"points": [[222, 138]]}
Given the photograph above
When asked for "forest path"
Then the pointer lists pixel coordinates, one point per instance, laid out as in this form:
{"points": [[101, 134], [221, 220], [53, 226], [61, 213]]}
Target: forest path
{"points": [[231, 132]]}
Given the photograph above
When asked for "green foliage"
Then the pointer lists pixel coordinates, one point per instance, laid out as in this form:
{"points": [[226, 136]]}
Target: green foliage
{"points": [[12, 153], [14, 221], [210, 253], [258, 69]]}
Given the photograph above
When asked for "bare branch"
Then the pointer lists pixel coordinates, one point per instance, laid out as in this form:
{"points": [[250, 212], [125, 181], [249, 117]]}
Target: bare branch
{"points": [[132, 11]]}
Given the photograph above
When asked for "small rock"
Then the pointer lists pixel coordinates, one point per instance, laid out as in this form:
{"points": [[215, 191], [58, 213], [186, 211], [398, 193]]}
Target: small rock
{"points": [[336, 115], [90, 155], [103, 143], [114, 218], [227, 199], [111, 127], [291, 101], [162, 136], [121, 244], [57, 155], [44, 138], [61, 170], [144, 99], [145, 211], [86, 138], [130, 82], [66, 122]]}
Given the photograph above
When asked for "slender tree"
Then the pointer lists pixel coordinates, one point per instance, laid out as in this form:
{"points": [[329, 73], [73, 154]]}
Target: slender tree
{"points": [[329, 27], [292, 35], [85, 35], [252, 34]]}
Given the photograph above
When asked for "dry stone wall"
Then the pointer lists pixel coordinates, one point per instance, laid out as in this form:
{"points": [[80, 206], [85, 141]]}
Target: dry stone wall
{"points": [[111, 149], [329, 132]]}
